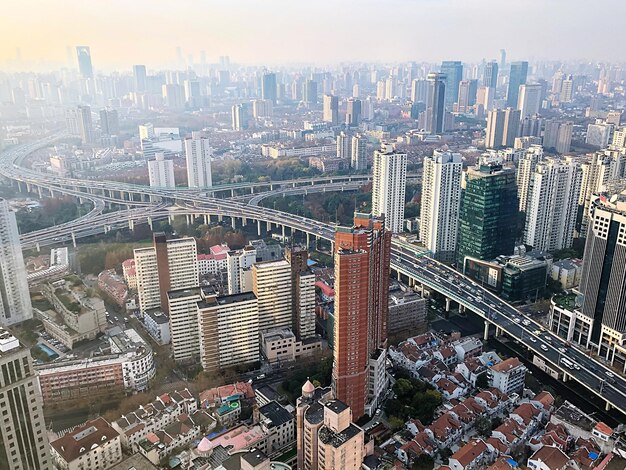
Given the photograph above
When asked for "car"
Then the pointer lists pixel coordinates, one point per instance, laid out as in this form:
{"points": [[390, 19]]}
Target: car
{"points": [[526, 322], [516, 320], [533, 340], [610, 374], [544, 347], [377, 412], [563, 350]]}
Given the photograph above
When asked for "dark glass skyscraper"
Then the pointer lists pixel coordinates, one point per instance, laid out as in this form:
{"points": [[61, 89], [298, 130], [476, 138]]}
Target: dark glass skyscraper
{"points": [[84, 61], [517, 77], [139, 76], [453, 69], [435, 108], [268, 87], [488, 215]]}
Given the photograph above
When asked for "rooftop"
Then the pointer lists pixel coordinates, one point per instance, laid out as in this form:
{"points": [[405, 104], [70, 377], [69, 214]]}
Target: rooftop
{"points": [[336, 406], [82, 439], [276, 413], [338, 439]]}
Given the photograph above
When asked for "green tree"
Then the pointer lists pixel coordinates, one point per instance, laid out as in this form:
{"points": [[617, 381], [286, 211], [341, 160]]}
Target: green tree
{"points": [[423, 462], [482, 381]]}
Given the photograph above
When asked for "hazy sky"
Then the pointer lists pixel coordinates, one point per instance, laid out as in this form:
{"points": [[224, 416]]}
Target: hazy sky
{"points": [[124, 32]]}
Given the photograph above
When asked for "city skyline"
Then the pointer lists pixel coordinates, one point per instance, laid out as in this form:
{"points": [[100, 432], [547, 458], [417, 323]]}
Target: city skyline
{"points": [[37, 36]]}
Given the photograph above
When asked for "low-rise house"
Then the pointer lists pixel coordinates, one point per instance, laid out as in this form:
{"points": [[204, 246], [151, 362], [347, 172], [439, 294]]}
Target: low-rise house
{"points": [[470, 369], [94, 446], [472, 455], [467, 348], [154, 416], [508, 376], [279, 425], [445, 430], [449, 390], [549, 458]]}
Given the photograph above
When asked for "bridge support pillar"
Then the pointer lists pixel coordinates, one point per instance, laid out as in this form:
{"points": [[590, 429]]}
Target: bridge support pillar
{"points": [[399, 276], [332, 248], [283, 227], [220, 218], [73, 239], [19, 186], [447, 304], [233, 222], [268, 226], [411, 282], [150, 222], [207, 219], [308, 240], [29, 188], [131, 225], [170, 219], [232, 193], [565, 377], [461, 308], [607, 406], [258, 227], [486, 332], [189, 219], [251, 189], [37, 247], [40, 192]]}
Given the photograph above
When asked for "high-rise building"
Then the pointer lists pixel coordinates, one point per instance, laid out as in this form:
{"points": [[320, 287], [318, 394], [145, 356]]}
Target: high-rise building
{"points": [[567, 90], [15, 306], [389, 186], [353, 112], [525, 168], [331, 109], [24, 440], [362, 265], [309, 91], [488, 219], [358, 157], [344, 142], [271, 283], [78, 122], [193, 93], [228, 330], [453, 71], [529, 99], [367, 109], [109, 122], [173, 95], [517, 76], [161, 172], [419, 90], [511, 126], [239, 115], [531, 126], [603, 284], [198, 157], [441, 200], [490, 77], [302, 294], [238, 269], [139, 78], [84, 61], [167, 265], [262, 109], [495, 129], [468, 90], [598, 134], [552, 205], [182, 305], [558, 135], [268, 87], [435, 104]]}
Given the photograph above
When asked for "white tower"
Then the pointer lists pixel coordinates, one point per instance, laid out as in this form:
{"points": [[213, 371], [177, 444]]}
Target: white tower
{"points": [[198, 156], [389, 186]]}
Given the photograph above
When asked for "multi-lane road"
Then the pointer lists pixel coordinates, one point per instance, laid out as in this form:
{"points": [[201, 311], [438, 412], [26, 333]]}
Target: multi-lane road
{"points": [[406, 259]]}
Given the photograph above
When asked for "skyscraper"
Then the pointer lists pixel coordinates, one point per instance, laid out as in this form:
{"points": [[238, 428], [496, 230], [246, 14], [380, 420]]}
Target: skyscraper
{"points": [[15, 306], [302, 293], [79, 122], [84, 61], [453, 70], [441, 200], [238, 271], [389, 186], [344, 143], [309, 92], [239, 115], [198, 157], [139, 78], [419, 91], [495, 129], [488, 213], [511, 126], [490, 77], [362, 264], [331, 109], [525, 168], [529, 100], [467, 95], [271, 283], [24, 444], [603, 280], [268, 87], [161, 172], [552, 205], [517, 77], [435, 105], [109, 122], [567, 90], [173, 95], [358, 157], [353, 112]]}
